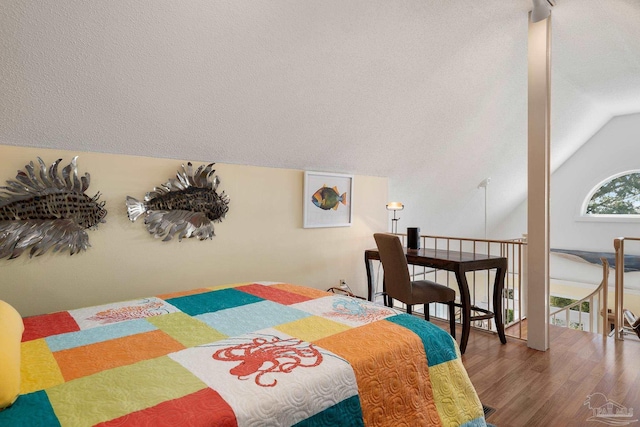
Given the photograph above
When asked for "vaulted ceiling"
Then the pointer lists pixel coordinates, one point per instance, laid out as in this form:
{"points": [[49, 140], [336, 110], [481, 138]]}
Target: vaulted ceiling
{"points": [[432, 94]]}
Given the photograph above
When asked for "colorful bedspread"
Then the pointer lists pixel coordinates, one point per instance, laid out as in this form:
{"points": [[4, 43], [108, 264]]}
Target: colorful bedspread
{"points": [[259, 354]]}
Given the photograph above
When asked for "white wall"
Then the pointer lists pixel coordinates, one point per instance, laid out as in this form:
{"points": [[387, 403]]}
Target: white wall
{"points": [[614, 148], [260, 239]]}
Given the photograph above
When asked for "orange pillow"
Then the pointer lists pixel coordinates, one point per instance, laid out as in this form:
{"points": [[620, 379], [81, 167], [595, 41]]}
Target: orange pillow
{"points": [[11, 328]]}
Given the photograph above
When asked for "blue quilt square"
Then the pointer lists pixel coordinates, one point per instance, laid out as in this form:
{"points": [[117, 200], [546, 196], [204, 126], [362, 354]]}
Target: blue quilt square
{"points": [[30, 410], [252, 317], [438, 344], [210, 302], [346, 413], [100, 334]]}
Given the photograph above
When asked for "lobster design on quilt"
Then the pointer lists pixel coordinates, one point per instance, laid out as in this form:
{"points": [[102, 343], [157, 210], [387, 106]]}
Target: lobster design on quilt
{"points": [[352, 309], [261, 356], [145, 308]]}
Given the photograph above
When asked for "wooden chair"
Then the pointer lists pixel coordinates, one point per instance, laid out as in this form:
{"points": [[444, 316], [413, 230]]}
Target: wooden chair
{"points": [[398, 283]]}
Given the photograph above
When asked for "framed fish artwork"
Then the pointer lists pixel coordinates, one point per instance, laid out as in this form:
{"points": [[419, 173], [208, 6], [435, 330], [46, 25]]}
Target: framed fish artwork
{"points": [[328, 200]]}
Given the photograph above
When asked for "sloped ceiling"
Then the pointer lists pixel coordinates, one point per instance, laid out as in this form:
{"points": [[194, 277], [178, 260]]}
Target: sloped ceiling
{"points": [[432, 94]]}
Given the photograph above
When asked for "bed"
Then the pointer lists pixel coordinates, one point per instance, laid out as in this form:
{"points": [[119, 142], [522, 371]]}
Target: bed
{"points": [[252, 354]]}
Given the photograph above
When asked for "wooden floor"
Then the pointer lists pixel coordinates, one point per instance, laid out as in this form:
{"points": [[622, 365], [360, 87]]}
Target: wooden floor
{"points": [[533, 388]]}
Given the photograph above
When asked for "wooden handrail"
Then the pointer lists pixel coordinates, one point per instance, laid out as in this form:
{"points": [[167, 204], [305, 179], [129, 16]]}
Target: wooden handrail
{"points": [[466, 239]]}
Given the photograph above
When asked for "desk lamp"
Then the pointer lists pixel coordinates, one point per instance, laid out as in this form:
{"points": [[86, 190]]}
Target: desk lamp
{"points": [[394, 206]]}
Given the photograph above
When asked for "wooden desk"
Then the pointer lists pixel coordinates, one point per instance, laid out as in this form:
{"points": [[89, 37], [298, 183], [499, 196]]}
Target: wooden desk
{"points": [[459, 263]]}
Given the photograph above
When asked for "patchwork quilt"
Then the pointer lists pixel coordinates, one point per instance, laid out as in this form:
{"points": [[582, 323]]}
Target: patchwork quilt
{"points": [[255, 354]]}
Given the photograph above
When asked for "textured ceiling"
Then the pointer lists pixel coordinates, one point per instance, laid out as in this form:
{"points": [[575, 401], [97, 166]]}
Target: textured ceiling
{"points": [[432, 94]]}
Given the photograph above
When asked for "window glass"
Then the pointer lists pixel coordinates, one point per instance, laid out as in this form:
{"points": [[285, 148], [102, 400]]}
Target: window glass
{"points": [[617, 196]]}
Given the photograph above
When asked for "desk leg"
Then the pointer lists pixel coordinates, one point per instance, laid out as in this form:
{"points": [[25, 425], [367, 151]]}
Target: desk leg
{"points": [[465, 299], [367, 263], [498, 289]]}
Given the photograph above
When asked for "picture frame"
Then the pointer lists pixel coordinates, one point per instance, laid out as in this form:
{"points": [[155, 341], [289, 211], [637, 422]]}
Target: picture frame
{"points": [[327, 200]]}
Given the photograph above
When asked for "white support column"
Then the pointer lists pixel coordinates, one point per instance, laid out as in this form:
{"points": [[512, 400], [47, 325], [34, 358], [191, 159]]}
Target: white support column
{"points": [[539, 106]]}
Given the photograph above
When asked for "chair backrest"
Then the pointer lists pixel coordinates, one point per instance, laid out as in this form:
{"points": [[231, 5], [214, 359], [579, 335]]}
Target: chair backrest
{"points": [[396, 271]]}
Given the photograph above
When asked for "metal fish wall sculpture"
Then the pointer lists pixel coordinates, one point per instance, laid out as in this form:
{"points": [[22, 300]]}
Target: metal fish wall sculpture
{"points": [[187, 206], [41, 210]]}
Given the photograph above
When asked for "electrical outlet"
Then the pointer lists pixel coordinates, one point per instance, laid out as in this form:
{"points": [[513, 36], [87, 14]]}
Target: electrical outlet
{"points": [[343, 284]]}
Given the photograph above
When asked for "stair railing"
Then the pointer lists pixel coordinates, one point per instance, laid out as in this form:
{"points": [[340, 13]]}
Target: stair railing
{"points": [[599, 295], [481, 284]]}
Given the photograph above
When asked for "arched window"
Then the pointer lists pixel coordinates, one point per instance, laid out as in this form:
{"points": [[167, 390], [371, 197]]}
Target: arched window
{"points": [[617, 195]]}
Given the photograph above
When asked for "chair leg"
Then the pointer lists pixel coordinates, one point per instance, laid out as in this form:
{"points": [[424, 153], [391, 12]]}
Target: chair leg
{"points": [[409, 309], [389, 301], [426, 312], [452, 319]]}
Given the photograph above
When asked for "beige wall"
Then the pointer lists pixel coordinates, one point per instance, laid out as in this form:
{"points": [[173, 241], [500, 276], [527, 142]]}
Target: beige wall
{"points": [[260, 239]]}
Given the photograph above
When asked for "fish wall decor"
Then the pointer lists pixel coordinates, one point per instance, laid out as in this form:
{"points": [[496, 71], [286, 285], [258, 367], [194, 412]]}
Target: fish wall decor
{"points": [[187, 205], [328, 198], [42, 209]]}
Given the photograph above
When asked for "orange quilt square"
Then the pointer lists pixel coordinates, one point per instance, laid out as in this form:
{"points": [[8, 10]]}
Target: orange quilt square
{"points": [[273, 294], [312, 293], [89, 359], [393, 370]]}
